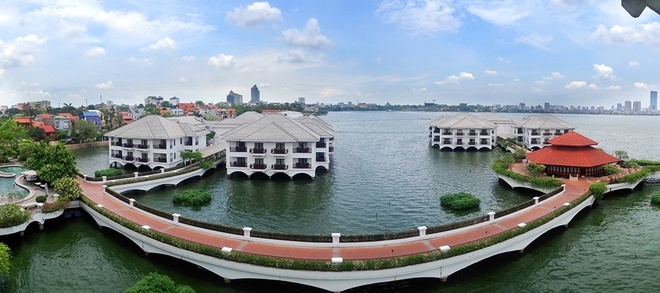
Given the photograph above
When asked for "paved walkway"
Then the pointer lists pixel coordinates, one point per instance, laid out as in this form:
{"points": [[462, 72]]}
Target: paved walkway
{"points": [[574, 189]]}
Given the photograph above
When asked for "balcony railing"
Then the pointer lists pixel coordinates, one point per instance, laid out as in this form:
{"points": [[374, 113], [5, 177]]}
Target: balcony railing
{"points": [[472, 133], [320, 159], [446, 133], [460, 133], [279, 167], [534, 141], [472, 143], [483, 133], [519, 131], [301, 166], [142, 160], [436, 130], [436, 139], [302, 150], [257, 151], [557, 132], [446, 142], [188, 143], [547, 133], [238, 164], [258, 166], [160, 160], [118, 143], [142, 146], [535, 133], [129, 158], [160, 146], [331, 149], [278, 151], [459, 143], [320, 144], [238, 149], [546, 141], [118, 156], [129, 145], [483, 142]]}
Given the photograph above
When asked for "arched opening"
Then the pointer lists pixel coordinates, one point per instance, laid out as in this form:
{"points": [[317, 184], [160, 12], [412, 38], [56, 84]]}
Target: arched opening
{"points": [[302, 176], [144, 168], [321, 169], [259, 176], [446, 149], [280, 176], [238, 174]]}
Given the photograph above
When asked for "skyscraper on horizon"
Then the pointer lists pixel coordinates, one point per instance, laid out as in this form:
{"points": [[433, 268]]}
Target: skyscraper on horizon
{"points": [[254, 94], [234, 98], [654, 101]]}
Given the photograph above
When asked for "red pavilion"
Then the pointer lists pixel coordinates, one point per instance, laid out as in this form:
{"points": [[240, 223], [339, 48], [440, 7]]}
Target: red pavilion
{"points": [[572, 154]]}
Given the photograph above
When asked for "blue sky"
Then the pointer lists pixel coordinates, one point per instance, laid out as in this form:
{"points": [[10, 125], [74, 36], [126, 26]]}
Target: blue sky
{"points": [[570, 52]]}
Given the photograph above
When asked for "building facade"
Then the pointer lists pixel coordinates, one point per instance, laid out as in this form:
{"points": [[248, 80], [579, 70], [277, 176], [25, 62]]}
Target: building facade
{"points": [[154, 142], [255, 94], [234, 98], [463, 131], [654, 101], [278, 145], [535, 131]]}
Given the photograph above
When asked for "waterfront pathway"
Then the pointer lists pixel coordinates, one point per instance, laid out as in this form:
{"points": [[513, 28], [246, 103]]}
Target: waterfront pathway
{"points": [[312, 251]]}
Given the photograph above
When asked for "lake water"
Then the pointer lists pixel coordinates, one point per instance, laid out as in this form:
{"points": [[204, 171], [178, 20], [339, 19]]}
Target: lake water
{"points": [[383, 178]]}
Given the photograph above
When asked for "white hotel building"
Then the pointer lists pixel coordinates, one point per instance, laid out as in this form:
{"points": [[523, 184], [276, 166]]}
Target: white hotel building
{"points": [[276, 144], [536, 130], [462, 132], [154, 142]]}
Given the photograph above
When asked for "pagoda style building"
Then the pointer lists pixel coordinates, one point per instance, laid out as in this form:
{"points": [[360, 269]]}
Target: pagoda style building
{"points": [[572, 154]]}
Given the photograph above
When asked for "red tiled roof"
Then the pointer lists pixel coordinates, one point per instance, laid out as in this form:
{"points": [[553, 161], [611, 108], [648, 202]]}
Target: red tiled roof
{"points": [[572, 139], [38, 124], [68, 115], [23, 120], [48, 128]]}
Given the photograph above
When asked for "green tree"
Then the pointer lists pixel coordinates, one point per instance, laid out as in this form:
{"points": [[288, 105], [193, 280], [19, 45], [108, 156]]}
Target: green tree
{"points": [[200, 103], [37, 133], [621, 154], [68, 188], [535, 169], [5, 259], [598, 189], [52, 162], [519, 154], [25, 149], [166, 104], [11, 134], [156, 283], [83, 131], [612, 171]]}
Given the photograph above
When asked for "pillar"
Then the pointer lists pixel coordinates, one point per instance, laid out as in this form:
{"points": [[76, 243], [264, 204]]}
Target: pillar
{"points": [[105, 178], [136, 174], [131, 201], [422, 230], [491, 216], [176, 217], [246, 231], [335, 238], [536, 200]]}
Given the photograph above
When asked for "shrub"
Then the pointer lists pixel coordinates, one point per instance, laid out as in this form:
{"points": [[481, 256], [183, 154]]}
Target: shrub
{"points": [[156, 283], [41, 199], [459, 201], [68, 188], [12, 215], [598, 189], [108, 172], [655, 199], [60, 204], [5, 257], [192, 197]]}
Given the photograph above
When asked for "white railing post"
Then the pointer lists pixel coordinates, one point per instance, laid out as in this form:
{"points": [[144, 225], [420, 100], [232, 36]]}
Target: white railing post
{"points": [[131, 201], [105, 178], [136, 174], [246, 231], [175, 218], [491, 216], [40, 206], [422, 230], [335, 238], [536, 200]]}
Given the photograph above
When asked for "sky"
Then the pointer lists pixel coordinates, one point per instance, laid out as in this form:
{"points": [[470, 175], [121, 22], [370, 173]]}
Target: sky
{"points": [[565, 52]]}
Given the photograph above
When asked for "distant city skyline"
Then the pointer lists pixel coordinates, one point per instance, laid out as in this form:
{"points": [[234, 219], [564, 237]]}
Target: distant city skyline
{"points": [[402, 52]]}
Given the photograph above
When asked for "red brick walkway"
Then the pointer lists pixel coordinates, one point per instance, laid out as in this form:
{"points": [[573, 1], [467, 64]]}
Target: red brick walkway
{"points": [[94, 192]]}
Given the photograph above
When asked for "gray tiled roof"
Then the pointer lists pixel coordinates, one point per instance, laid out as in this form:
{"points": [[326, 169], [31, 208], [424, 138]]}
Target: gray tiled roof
{"points": [[497, 119], [463, 121], [317, 125], [544, 121], [156, 127], [272, 128]]}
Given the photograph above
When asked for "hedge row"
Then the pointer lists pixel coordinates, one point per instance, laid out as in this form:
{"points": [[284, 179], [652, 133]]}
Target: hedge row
{"points": [[356, 265], [502, 168]]}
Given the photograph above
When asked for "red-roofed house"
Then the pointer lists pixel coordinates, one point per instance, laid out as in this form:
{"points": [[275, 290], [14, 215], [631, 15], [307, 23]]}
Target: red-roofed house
{"points": [[50, 132], [70, 116], [572, 154], [187, 107], [24, 121]]}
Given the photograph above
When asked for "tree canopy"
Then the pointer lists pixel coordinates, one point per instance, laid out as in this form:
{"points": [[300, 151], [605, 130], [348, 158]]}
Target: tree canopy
{"points": [[83, 131], [52, 162]]}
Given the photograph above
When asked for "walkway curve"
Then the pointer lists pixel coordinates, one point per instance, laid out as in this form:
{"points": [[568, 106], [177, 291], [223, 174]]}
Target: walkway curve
{"points": [[338, 281]]}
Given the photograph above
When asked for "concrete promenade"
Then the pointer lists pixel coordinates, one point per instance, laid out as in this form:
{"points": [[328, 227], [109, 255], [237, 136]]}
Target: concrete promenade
{"points": [[345, 251]]}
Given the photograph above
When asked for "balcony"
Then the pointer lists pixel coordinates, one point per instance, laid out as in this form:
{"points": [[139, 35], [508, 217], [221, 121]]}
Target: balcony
{"points": [[189, 143], [302, 166], [459, 143], [557, 132], [129, 145], [129, 158], [472, 133], [238, 164], [331, 149], [320, 159], [446, 133], [143, 146], [302, 150], [436, 130], [279, 167], [258, 151], [118, 143], [535, 133], [472, 143], [258, 166], [483, 142], [483, 132], [320, 144], [534, 141], [160, 160], [519, 131], [460, 133], [238, 149], [142, 160], [547, 133], [546, 141], [160, 146], [446, 142], [279, 151], [118, 156], [436, 138]]}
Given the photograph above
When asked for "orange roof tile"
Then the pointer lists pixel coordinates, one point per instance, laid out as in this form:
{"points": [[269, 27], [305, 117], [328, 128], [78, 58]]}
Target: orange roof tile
{"points": [[48, 128], [23, 120], [38, 124], [571, 150], [572, 139]]}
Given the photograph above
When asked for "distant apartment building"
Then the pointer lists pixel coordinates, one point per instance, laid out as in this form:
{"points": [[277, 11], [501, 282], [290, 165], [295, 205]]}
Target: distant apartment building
{"points": [[462, 132], [255, 94], [627, 106], [654, 101], [637, 107], [39, 105], [619, 107], [536, 130], [301, 100], [174, 101], [153, 100], [234, 98]]}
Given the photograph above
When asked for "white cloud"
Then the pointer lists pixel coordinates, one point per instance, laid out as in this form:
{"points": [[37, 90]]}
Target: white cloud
{"points": [[264, 85], [162, 44], [576, 85], [221, 61], [420, 17], [501, 59], [104, 85], [18, 52], [95, 52], [553, 76], [613, 87], [640, 85], [633, 64], [309, 36], [456, 79], [500, 12], [535, 40], [419, 90], [592, 87], [490, 72], [254, 14], [141, 62], [188, 58], [647, 33], [604, 72], [181, 79]]}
